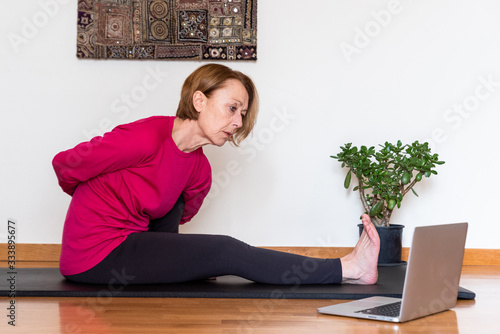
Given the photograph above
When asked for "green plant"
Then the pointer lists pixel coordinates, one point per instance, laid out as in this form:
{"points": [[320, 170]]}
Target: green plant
{"points": [[386, 176]]}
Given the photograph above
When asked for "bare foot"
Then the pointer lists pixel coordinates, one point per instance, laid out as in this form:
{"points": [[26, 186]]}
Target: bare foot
{"points": [[360, 266]]}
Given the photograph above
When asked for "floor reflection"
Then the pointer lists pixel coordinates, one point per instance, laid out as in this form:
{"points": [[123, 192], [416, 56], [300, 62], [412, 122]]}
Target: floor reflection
{"points": [[444, 322]]}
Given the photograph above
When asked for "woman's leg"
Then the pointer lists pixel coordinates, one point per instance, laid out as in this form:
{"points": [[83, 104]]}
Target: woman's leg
{"points": [[156, 257], [159, 257]]}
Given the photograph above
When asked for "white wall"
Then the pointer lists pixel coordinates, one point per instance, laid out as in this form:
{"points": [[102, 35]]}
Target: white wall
{"points": [[404, 76]]}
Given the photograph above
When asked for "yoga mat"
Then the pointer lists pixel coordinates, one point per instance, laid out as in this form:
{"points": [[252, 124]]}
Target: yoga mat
{"points": [[48, 282]]}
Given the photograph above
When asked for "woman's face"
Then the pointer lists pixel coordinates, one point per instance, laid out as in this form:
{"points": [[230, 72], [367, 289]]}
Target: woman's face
{"points": [[221, 114]]}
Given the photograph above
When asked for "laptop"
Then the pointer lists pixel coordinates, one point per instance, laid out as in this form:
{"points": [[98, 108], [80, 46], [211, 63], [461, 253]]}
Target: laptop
{"points": [[431, 281]]}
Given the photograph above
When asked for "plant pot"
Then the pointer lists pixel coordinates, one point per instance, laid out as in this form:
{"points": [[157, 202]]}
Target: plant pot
{"points": [[390, 243]]}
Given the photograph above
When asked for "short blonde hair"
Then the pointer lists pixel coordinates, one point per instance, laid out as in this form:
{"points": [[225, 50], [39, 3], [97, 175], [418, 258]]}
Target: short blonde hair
{"points": [[207, 79]]}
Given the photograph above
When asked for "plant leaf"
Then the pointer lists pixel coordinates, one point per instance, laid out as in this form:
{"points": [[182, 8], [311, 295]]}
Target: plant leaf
{"points": [[377, 208], [347, 181]]}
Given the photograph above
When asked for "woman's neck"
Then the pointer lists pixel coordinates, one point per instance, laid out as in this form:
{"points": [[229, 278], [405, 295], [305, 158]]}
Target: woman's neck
{"points": [[187, 135]]}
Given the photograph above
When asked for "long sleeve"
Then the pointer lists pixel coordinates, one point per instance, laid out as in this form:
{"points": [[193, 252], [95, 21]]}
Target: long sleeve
{"points": [[197, 191], [125, 146]]}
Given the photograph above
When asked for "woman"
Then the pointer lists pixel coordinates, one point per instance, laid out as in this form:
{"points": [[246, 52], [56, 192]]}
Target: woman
{"points": [[132, 187]]}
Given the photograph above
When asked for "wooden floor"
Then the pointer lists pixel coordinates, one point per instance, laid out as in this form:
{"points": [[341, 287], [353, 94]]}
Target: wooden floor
{"points": [[193, 315]]}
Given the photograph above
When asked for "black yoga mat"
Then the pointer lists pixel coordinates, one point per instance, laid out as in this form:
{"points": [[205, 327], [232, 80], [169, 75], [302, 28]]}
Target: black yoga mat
{"points": [[48, 282]]}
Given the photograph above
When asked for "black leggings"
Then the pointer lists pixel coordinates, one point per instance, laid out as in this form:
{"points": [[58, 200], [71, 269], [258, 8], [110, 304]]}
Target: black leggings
{"points": [[162, 255]]}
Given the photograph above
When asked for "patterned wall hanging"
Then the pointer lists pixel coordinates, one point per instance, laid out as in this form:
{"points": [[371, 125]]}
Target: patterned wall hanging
{"points": [[167, 29]]}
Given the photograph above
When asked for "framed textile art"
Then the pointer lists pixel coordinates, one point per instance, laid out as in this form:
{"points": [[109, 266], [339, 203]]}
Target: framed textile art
{"points": [[167, 29]]}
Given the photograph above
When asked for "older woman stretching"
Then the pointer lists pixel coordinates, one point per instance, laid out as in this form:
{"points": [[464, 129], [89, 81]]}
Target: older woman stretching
{"points": [[132, 187]]}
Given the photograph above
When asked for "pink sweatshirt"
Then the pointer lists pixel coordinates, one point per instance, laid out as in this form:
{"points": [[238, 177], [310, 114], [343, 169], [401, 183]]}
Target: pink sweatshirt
{"points": [[119, 182]]}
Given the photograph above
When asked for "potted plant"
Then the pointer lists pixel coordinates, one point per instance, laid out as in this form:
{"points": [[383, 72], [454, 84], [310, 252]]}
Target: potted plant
{"points": [[384, 178]]}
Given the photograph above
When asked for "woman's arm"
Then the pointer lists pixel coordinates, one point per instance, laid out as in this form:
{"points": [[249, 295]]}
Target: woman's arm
{"points": [[197, 190], [125, 146]]}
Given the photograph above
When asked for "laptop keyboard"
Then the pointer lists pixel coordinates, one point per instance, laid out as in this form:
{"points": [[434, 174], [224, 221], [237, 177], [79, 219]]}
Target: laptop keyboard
{"points": [[388, 310]]}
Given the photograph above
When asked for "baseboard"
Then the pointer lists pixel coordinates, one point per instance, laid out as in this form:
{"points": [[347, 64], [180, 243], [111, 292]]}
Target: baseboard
{"points": [[472, 256], [51, 252], [31, 252]]}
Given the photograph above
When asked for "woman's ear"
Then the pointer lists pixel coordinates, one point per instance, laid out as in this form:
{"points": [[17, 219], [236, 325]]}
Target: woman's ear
{"points": [[199, 100]]}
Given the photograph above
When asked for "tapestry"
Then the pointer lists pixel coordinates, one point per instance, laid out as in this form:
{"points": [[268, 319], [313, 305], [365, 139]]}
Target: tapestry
{"points": [[167, 29]]}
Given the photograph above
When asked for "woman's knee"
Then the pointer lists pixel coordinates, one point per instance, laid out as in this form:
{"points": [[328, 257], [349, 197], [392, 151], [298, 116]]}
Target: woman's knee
{"points": [[227, 246]]}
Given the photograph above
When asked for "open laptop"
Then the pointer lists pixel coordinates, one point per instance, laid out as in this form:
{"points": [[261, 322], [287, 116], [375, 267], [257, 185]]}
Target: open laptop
{"points": [[431, 281]]}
